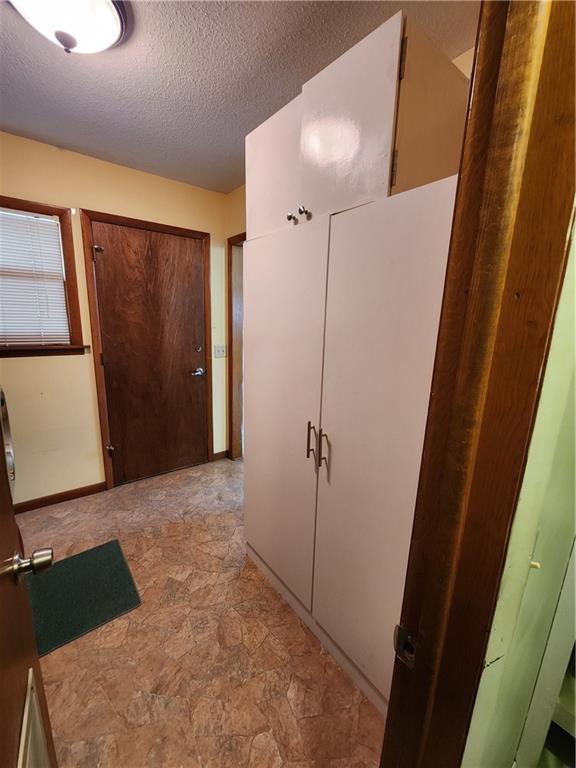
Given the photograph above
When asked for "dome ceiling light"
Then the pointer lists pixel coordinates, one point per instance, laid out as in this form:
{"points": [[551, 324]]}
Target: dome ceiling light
{"points": [[77, 26]]}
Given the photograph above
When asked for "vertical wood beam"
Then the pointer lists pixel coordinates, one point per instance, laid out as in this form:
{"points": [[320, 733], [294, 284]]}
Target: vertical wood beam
{"points": [[507, 259]]}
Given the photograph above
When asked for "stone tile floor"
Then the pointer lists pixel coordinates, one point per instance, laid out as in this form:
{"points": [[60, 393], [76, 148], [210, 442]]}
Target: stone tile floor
{"points": [[213, 670]]}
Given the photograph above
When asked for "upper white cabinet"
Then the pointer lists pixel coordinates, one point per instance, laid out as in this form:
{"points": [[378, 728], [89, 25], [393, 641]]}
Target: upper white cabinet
{"points": [[348, 113], [273, 171], [386, 116]]}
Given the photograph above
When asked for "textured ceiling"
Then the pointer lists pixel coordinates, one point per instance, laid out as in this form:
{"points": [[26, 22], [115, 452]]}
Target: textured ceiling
{"points": [[179, 95]]}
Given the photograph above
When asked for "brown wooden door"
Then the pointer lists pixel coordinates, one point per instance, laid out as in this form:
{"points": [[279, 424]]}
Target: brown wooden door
{"points": [[151, 304], [17, 642]]}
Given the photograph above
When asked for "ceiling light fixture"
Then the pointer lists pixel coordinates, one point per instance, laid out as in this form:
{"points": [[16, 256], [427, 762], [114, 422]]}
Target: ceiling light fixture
{"points": [[77, 26]]}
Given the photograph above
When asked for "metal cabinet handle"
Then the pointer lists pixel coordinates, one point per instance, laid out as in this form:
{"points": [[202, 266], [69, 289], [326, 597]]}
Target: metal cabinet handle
{"points": [[291, 217], [321, 458], [309, 450], [198, 372]]}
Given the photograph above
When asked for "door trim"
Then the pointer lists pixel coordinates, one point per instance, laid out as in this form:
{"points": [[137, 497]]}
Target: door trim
{"points": [[58, 498], [231, 242], [510, 240], [86, 219]]}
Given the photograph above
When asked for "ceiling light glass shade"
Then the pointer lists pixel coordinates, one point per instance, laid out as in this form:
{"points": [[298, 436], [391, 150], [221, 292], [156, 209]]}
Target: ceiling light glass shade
{"points": [[80, 26]]}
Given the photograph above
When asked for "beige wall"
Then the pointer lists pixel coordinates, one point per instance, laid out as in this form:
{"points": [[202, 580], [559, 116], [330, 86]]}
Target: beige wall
{"points": [[52, 400], [464, 62], [235, 217]]}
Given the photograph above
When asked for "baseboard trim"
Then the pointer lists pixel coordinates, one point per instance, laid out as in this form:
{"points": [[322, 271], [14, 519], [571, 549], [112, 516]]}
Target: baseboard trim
{"points": [[219, 455], [343, 661], [56, 498]]}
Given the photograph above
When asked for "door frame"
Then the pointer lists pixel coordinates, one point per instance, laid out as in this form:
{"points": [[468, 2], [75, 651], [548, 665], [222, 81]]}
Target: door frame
{"points": [[232, 379], [86, 219], [508, 254]]}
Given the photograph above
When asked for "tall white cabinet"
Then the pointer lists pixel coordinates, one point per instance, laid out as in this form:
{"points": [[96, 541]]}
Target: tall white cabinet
{"points": [[385, 282], [284, 278], [343, 278]]}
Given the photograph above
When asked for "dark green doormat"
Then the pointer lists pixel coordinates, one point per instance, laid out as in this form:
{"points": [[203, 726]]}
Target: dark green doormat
{"points": [[79, 594]]}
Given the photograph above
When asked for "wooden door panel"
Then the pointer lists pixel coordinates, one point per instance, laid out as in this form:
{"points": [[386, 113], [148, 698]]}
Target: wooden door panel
{"points": [[235, 274], [17, 642], [284, 290], [150, 288], [386, 274]]}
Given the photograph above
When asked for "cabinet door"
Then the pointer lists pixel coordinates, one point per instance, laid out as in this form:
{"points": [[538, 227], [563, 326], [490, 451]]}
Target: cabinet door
{"points": [[348, 113], [385, 284], [273, 171], [284, 300]]}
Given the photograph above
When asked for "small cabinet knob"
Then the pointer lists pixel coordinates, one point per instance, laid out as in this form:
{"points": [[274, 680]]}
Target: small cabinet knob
{"points": [[303, 211], [38, 561], [291, 217]]}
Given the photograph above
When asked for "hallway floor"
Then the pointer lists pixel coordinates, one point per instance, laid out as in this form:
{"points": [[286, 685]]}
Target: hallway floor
{"points": [[213, 670]]}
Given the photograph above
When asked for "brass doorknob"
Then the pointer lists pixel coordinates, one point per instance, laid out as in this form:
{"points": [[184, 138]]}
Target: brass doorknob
{"points": [[38, 561]]}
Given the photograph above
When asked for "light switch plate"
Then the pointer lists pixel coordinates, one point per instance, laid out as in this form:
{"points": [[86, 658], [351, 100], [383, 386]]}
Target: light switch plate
{"points": [[219, 350]]}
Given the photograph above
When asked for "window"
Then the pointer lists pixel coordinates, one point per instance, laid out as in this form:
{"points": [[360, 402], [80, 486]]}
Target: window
{"points": [[39, 311]]}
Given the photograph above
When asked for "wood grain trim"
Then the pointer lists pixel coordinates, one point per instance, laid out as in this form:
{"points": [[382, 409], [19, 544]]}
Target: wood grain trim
{"points": [[76, 346], [153, 226], [507, 260], [86, 219], [230, 243], [88, 244], [208, 348], [57, 498], [31, 206], [35, 350], [71, 283]]}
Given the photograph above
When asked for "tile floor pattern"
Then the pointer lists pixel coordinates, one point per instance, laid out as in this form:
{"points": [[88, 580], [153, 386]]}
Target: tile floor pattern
{"points": [[214, 670]]}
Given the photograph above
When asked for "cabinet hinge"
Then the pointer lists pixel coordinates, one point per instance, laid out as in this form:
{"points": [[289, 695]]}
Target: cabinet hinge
{"points": [[393, 167], [404, 646], [402, 66], [96, 249]]}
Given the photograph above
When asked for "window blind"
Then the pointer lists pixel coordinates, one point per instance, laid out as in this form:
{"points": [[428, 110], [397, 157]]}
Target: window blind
{"points": [[32, 280]]}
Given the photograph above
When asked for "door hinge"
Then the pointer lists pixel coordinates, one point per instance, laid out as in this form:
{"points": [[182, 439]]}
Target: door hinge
{"points": [[402, 65], [96, 249], [101, 358], [110, 449], [394, 168], [404, 646]]}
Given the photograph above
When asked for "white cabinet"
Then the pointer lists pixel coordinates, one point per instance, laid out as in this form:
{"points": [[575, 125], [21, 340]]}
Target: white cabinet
{"points": [[386, 116], [385, 285], [341, 313], [284, 285], [272, 154], [348, 114]]}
